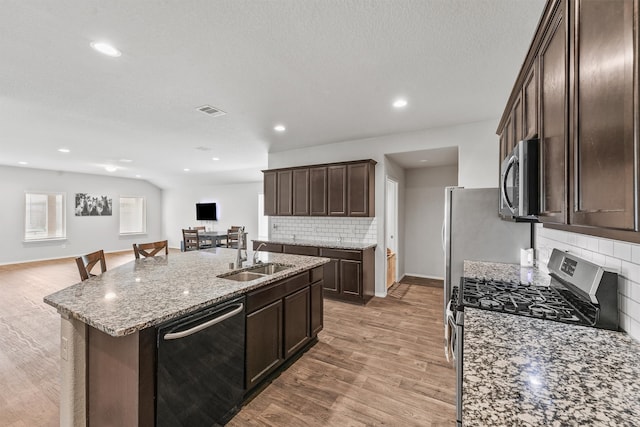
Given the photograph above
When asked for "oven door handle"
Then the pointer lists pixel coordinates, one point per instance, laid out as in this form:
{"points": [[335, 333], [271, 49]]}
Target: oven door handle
{"points": [[448, 333], [503, 186]]}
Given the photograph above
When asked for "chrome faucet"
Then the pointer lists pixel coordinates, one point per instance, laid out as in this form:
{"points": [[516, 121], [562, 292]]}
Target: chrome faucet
{"points": [[255, 253], [241, 240]]}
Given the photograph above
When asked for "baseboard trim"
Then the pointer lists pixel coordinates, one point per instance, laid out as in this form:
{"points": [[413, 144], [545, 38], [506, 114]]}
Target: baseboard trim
{"points": [[423, 276]]}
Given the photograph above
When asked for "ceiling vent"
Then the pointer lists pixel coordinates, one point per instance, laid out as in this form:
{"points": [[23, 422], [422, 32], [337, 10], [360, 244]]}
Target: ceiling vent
{"points": [[211, 111]]}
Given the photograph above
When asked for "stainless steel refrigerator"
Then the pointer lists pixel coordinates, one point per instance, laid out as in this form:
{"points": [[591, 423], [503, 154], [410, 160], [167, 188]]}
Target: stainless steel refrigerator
{"points": [[472, 230]]}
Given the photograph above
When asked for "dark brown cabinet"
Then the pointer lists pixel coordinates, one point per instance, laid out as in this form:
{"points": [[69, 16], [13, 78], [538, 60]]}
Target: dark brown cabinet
{"points": [[360, 186], [348, 276], [264, 342], [337, 189], [282, 318], [270, 184], [285, 193], [517, 122], [579, 93], [530, 103], [553, 120], [301, 192], [602, 143], [318, 191], [297, 329]]}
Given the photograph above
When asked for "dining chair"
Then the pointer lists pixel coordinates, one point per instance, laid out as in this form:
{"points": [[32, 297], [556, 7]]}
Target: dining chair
{"points": [[150, 249], [191, 239], [205, 242], [87, 262], [234, 238]]}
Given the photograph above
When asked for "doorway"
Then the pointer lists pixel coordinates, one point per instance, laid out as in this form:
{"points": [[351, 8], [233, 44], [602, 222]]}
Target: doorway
{"points": [[391, 231]]}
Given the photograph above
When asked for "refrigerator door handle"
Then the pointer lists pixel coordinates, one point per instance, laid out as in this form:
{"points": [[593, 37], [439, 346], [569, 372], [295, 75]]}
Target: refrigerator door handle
{"points": [[444, 249]]}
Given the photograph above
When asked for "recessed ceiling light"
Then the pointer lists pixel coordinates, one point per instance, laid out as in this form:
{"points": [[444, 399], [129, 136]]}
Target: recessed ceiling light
{"points": [[23, 163], [138, 176], [279, 128], [106, 49], [126, 160], [215, 158], [64, 150], [110, 168], [187, 170], [423, 160], [400, 103]]}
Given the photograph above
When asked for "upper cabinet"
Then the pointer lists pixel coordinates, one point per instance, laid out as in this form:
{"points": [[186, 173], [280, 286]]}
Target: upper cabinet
{"points": [[336, 189], [552, 60], [578, 93], [602, 144]]}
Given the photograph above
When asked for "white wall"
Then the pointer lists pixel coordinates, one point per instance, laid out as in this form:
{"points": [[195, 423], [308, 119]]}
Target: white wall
{"points": [[623, 257], [84, 233], [477, 163], [424, 216], [237, 204]]}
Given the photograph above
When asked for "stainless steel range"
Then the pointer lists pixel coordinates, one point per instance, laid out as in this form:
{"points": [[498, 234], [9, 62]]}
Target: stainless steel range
{"points": [[580, 293]]}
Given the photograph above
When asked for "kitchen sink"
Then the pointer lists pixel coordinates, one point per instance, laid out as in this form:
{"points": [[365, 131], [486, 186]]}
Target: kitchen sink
{"points": [[255, 272], [243, 276], [269, 268]]}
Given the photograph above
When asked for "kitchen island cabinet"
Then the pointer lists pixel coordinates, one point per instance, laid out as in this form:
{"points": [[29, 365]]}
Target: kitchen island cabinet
{"points": [[113, 319]]}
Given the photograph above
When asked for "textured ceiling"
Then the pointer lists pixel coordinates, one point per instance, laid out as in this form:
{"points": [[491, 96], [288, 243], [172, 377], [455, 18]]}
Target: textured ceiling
{"points": [[327, 69], [435, 157]]}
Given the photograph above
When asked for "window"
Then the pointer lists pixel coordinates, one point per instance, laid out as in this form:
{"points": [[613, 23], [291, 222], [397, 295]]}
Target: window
{"points": [[133, 215], [44, 216]]}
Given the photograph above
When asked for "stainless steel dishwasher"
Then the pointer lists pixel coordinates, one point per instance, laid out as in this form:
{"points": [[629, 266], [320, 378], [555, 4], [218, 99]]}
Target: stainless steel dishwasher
{"points": [[200, 380]]}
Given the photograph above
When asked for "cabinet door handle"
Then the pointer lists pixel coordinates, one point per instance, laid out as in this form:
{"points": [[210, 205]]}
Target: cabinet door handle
{"points": [[205, 325]]}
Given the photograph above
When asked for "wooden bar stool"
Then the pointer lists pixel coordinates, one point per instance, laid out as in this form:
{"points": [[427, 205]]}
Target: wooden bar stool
{"points": [[87, 262], [150, 249]]}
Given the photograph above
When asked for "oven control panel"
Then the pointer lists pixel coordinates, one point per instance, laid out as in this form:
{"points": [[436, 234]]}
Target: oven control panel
{"points": [[568, 266]]}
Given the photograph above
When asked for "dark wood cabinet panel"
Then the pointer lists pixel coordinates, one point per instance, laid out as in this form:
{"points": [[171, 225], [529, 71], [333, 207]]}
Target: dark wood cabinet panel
{"points": [[297, 323], [264, 342], [318, 191], [359, 197], [530, 103], [300, 250], [351, 277], [270, 183], [337, 191], [268, 247], [317, 307], [332, 277], [553, 121], [285, 199], [603, 189], [517, 122], [301, 192]]}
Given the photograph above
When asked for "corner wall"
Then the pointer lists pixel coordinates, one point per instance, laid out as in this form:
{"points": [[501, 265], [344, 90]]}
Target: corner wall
{"points": [[424, 218], [84, 233], [237, 204]]}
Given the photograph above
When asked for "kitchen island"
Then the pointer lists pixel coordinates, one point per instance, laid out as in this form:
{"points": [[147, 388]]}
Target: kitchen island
{"points": [[531, 372], [108, 332]]}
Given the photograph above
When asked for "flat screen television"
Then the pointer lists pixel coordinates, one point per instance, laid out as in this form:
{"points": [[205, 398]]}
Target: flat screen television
{"points": [[206, 212]]}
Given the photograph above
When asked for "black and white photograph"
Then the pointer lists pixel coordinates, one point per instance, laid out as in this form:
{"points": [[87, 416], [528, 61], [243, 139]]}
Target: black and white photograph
{"points": [[91, 205]]}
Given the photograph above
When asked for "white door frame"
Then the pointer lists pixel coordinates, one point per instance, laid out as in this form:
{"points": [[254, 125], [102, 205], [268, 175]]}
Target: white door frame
{"points": [[391, 220]]}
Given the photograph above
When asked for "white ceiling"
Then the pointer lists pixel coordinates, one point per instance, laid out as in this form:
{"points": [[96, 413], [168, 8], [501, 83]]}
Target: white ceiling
{"points": [[327, 69], [434, 157]]}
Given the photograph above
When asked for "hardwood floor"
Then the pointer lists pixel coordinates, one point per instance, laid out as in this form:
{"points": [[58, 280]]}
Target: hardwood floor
{"points": [[382, 364]]}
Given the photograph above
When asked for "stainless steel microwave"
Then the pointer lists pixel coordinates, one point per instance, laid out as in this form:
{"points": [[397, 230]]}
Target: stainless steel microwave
{"points": [[519, 195]]}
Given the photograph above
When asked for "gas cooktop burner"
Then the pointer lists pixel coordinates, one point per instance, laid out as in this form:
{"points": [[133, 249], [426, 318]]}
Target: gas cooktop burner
{"points": [[525, 300]]}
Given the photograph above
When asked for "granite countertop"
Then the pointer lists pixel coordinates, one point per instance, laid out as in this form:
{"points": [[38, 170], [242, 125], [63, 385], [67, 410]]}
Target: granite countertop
{"points": [[318, 243], [507, 272], [531, 372], [149, 291]]}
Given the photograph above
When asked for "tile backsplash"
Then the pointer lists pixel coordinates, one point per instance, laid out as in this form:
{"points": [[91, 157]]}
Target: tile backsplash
{"points": [[621, 257], [326, 229]]}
